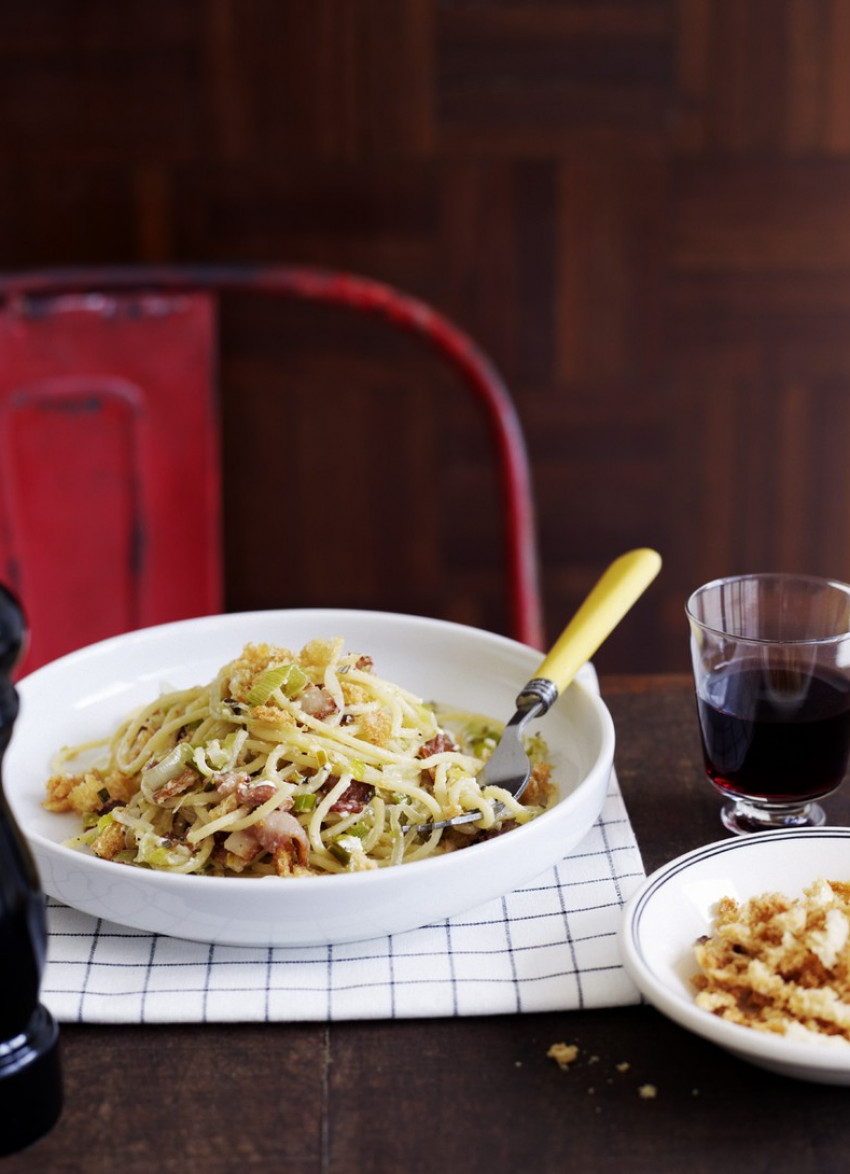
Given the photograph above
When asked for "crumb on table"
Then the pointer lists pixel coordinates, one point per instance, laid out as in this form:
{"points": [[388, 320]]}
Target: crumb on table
{"points": [[563, 1054]]}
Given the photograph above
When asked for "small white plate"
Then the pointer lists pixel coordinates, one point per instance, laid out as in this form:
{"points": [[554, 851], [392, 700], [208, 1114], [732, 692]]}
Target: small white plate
{"points": [[84, 695], [675, 906]]}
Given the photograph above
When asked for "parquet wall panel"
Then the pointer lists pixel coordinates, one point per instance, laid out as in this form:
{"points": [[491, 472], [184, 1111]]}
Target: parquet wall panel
{"points": [[639, 208]]}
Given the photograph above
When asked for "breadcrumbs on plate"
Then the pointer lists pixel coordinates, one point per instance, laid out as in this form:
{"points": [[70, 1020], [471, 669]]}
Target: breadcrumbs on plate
{"points": [[93, 790], [563, 1054], [779, 964]]}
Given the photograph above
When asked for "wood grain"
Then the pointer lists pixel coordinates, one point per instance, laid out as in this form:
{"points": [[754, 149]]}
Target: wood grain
{"points": [[639, 208]]}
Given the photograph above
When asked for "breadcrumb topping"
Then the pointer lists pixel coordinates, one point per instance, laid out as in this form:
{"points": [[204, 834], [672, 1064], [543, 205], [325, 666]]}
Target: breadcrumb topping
{"points": [[779, 964], [563, 1054], [93, 790]]}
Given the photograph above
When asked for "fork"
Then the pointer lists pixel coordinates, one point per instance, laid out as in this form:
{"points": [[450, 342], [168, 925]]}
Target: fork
{"points": [[620, 586]]}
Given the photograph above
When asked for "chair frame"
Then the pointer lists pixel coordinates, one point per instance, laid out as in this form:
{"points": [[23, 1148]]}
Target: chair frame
{"points": [[372, 298]]}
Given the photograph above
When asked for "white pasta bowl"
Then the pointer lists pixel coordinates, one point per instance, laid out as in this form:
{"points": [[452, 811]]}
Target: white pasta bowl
{"points": [[84, 696], [675, 905]]}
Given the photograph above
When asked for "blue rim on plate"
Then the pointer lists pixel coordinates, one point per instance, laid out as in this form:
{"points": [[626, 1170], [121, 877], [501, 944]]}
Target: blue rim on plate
{"points": [[673, 907]]}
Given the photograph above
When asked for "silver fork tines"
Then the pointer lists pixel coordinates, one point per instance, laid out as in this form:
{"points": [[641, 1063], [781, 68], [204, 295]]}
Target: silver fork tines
{"points": [[508, 766]]}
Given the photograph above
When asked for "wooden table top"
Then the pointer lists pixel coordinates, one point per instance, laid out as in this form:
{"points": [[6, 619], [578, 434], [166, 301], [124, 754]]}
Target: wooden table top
{"points": [[468, 1095]]}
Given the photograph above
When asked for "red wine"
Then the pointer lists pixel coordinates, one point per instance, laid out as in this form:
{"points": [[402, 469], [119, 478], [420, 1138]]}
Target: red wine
{"points": [[774, 734]]}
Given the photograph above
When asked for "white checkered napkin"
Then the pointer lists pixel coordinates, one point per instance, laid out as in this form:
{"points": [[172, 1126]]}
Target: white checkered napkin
{"points": [[550, 946]]}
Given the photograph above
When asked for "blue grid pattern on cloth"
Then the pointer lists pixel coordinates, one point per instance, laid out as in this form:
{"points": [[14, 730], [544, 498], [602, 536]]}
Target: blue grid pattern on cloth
{"points": [[551, 945]]}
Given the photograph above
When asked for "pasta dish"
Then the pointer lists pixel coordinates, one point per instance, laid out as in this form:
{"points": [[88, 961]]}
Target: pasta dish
{"points": [[289, 765]]}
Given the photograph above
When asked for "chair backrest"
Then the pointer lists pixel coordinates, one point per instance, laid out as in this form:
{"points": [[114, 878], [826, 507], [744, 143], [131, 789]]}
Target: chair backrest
{"points": [[110, 482]]}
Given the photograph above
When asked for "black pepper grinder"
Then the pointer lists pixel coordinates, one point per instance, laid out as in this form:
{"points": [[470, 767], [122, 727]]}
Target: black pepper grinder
{"points": [[30, 1077]]}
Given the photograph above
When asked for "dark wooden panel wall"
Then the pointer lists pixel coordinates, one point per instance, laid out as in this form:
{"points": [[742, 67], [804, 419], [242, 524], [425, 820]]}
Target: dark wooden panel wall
{"points": [[640, 208]]}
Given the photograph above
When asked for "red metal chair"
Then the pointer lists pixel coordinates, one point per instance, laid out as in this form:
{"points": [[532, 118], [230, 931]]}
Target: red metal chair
{"points": [[109, 441]]}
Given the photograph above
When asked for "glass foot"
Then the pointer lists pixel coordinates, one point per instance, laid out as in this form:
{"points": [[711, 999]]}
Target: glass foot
{"points": [[743, 818]]}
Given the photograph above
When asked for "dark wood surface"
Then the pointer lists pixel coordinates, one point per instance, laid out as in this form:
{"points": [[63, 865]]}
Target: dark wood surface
{"points": [[466, 1095], [638, 207]]}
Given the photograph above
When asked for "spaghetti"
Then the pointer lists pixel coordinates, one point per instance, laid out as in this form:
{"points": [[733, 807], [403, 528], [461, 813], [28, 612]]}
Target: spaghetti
{"points": [[290, 765]]}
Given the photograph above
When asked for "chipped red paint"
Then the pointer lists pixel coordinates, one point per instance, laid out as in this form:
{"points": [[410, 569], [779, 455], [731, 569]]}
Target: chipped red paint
{"points": [[34, 302], [105, 402]]}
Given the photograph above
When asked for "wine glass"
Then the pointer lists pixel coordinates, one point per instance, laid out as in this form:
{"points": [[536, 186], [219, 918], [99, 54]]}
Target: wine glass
{"points": [[771, 662]]}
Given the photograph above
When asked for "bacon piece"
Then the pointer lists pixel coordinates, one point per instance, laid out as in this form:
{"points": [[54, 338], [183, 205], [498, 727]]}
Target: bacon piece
{"points": [[439, 744], [281, 831], [243, 844], [176, 786], [229, 781], [257, 792], [252, 792], [354, 798], [317, 701], [365, 664]]}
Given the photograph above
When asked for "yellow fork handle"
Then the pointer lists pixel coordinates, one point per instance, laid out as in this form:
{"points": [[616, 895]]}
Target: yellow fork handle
{"points": [[614, 594]]}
